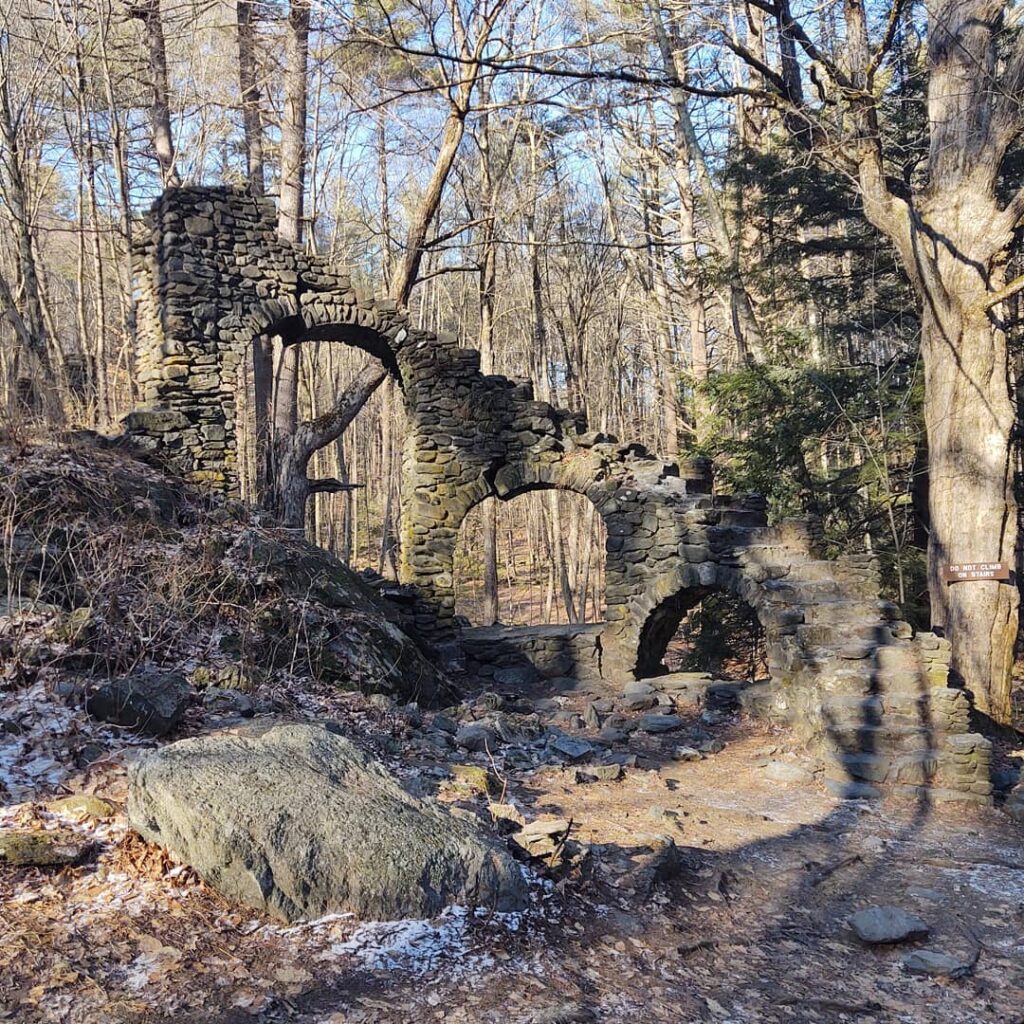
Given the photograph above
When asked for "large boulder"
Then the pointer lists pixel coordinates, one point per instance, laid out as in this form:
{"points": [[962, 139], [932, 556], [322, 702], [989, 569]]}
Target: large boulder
{"points": [[296, 820]]}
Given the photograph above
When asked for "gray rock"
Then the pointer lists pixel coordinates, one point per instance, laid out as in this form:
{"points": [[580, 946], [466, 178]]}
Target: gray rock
{"points": [[1014, 805], [232, 702], [475, 738], [599, 773], [573, 750], [297, 821], [934, 964], [639, 701], [712, 745], [660, 723], [151, 702], [877, 925], [635, 686], [591, 718], [686, 754]]}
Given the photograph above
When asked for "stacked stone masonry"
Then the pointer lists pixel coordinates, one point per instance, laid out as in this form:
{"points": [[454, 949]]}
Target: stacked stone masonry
{"points": [[851, 680]]}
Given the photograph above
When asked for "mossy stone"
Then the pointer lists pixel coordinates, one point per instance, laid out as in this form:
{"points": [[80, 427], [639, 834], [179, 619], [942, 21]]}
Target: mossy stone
{"points": [[82, 806], [42, 849]]}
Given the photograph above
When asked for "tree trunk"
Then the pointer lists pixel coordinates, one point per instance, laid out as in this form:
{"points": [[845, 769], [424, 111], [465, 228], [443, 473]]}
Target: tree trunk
{"points": [[148, 13], [407, 271], [969, 419], [31, 315], [250, 94], [487, 284], [294, 450]]}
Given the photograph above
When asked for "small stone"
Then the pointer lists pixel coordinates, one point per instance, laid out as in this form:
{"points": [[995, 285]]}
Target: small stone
{"points": [[663, 816], [639, 702], [599, 773], [42, 849], [934, 964], [660, 723], [543, 828], [686, 754], [475, 779], [81, 806], [591, 719], [573, 750], [783, 771], [443, 724], [711, 746], [151, 702], [507, 813], [877, 925], [228, 702]]}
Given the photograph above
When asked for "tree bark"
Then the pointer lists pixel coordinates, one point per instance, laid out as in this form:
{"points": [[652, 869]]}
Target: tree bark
{"points": [[293, 127], [407, 271]]}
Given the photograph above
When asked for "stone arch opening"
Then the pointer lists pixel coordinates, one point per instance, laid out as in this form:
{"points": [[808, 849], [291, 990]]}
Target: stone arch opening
{"points": [[321, 381], [693, 623], [705, 629], [551, 553]]}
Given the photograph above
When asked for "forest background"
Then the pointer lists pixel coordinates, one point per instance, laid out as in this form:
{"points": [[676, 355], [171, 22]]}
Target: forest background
{"points": [[697, 221]]}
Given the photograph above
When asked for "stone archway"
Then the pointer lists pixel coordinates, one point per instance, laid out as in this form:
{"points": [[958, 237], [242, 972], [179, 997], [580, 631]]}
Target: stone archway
{"points": [[211, 274]]}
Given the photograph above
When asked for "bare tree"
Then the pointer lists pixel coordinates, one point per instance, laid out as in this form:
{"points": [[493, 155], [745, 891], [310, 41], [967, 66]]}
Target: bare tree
{"points": [[148, 12]]}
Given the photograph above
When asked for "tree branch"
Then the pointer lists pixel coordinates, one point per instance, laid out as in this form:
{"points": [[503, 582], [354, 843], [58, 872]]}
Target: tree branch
{"points": [[314, 434], [1004, 293], [330, 485]]}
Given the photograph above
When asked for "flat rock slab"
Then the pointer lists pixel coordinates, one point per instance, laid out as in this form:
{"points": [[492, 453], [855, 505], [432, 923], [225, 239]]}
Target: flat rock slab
{"points": [[297, 821], [660, 723], [934, 964], [42, 849], [877, 925]]}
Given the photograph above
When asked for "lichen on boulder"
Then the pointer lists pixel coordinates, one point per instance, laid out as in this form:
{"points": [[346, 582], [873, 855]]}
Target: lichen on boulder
{"points": [[295, 820]]}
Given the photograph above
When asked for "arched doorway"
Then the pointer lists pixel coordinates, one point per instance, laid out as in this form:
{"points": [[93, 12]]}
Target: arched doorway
{"points": [[341, 382], [551, 551], [705, 629]]}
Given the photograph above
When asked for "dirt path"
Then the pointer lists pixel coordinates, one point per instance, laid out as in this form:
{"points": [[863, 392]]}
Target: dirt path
{"points": [[750, 927]]}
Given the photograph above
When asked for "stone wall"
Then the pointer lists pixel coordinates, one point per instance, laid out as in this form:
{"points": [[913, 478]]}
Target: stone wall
{"points": [[848, 678], [551, 652]]}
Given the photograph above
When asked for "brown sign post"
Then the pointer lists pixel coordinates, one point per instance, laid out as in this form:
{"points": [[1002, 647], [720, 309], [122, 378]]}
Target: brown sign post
{"points": [[957, 572]]}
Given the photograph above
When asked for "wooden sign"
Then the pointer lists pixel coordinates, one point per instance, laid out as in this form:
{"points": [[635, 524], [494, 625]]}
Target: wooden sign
{"points": [[959, 571]]}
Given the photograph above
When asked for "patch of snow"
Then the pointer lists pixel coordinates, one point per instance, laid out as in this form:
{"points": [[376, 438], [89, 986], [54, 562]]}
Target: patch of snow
{"points": [[421, 947]]}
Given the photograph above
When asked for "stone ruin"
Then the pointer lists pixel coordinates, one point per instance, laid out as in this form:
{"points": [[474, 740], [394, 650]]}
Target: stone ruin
{"points": [[853, 683]]}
